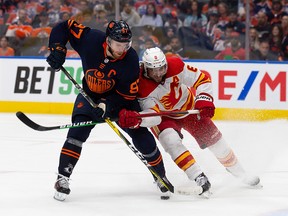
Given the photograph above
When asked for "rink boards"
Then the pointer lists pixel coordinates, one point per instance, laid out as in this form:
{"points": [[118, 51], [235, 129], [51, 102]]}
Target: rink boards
{"points": [[243, 90]]}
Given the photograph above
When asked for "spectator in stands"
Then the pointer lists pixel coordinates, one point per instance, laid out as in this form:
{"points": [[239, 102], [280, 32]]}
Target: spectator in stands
{"points": [[183, 7], [33, 8], [284, 45], [43, 21], [195, 19], [232, 4], [21, 18], [86, 18], [233, 52], [100, 14], [141, 7], [254, 39], [149, 43], [108, 4], [20, 14], [263, 53], [169, 32], [218, 40], [151, 17], [20, 26], [263, 26], [64, 16], [223, 15], [262, 5], [285, 6], [223, 40], [173, 20], [5, 49], [275, 39], [81, 6], [210, 7], [242, 12], [83, 14], [43, 28], [235, 23], [130, 15], [210, 32], [147, 33], [168, 7], [2, 16], [275, 14], [54, 11], [174, 48]]}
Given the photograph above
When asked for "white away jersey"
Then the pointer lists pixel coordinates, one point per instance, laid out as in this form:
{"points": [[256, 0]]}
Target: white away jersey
{"points": [[176, 93]]}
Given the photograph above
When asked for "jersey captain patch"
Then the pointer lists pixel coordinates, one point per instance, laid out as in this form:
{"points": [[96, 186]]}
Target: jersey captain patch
{"points": [[98, 82]]}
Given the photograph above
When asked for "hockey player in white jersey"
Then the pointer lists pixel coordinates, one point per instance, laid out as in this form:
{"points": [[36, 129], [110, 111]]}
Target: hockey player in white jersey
{"points": [[166, 85]]}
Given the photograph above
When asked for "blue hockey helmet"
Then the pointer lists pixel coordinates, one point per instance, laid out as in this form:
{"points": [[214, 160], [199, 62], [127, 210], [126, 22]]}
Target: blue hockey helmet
{"points": [[119, 31]]}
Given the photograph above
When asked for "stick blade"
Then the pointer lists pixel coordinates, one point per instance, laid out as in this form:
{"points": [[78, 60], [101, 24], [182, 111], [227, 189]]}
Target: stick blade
{"points": [[27, 121], [189, 190]]}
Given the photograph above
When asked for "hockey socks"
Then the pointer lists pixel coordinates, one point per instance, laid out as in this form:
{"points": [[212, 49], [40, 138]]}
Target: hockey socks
{"points": [[70, 154]]}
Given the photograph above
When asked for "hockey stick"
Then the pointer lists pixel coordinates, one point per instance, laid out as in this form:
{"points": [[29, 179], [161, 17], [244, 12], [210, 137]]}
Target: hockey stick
{"points": [[30, 123], [27, 121], [170, 187], [168, 113]]}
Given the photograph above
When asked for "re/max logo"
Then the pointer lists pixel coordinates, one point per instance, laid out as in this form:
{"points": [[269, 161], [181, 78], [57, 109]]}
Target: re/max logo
{"points": [[266, 83]]}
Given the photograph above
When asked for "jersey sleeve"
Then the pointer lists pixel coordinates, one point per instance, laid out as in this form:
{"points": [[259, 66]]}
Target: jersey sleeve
{"points": [[196, 79], [70, 31], [148, 105]]}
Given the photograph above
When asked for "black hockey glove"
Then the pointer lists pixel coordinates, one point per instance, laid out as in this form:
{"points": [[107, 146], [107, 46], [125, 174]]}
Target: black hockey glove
{"points": [[100, 111], [57, 55]]}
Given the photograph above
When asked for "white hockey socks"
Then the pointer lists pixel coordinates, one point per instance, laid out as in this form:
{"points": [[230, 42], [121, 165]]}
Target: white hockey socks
{"points": [[228, 159]]}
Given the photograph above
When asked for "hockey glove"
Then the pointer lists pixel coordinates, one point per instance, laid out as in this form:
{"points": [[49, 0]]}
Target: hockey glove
{"points": [[128, 119], [57, 56], [100, 111], [204, 103]]}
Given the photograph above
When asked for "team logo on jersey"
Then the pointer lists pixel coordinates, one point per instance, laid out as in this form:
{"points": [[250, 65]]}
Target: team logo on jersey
{"points": [[172, 98], [111, 25], [80, 105], [98, 82]]}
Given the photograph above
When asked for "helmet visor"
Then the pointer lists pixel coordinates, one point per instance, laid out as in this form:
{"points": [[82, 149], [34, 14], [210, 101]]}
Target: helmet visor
{"points": [[119, 46]]}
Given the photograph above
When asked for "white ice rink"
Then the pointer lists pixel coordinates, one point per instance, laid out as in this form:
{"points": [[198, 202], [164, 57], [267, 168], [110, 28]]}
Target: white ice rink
{"points": [[109, 180]]}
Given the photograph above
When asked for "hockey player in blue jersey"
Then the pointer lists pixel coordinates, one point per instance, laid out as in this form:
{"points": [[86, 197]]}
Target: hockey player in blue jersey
{"points": [[111, 76]]}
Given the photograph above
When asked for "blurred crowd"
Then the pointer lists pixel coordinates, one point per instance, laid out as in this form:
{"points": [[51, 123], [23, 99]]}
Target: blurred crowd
{"points": [[194, 29]]}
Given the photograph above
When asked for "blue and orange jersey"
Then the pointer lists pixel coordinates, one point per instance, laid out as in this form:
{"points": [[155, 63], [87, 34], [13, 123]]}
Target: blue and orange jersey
{"points": [[102, 75]]}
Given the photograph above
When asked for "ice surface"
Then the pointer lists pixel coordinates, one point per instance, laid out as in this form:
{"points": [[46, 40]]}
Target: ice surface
{"points": [[109, 180]]}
